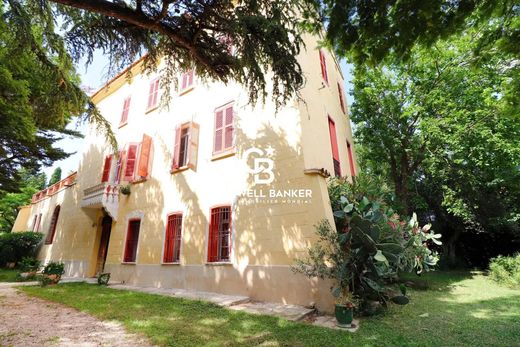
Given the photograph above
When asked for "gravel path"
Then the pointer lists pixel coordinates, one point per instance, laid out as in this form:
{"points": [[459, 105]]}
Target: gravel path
{"points": [[28, 321]]}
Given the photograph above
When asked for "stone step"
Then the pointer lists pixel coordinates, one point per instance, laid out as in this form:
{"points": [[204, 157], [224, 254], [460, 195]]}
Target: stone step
{"points": [[289, 312]]}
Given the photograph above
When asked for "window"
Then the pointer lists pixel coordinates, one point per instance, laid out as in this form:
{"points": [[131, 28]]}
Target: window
{"points": [[138, 160], [219, 245], [106, 168], [172, 241], [334, 146], [224, 129], [185, 146], [351, 160], [187, 80], [323, 64], [153, 95], [132, 238], [130, 162], [341, 99], [119, 166], [126, 109], [38, 222], [35, 218], [52, 226]]}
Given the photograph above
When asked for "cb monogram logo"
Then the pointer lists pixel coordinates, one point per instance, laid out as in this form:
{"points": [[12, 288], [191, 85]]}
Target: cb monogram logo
{"points": [[262, 169]]}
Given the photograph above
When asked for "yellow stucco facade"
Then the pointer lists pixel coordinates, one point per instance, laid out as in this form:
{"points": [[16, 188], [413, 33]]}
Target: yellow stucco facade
{"points": [[266, 233]]}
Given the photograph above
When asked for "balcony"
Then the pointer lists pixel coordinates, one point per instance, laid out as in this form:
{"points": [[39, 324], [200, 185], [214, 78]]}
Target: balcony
{"points": [[104, 195]]}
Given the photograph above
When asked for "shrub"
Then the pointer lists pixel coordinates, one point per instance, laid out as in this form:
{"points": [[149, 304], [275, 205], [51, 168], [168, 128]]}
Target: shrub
{"points": [[369, 245], [29, 264], [54, 268], [506, 270], [15, 246]]}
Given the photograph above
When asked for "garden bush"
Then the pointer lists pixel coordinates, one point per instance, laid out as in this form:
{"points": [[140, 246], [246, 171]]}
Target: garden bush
{"points": [[15, 246], [506, 270]]}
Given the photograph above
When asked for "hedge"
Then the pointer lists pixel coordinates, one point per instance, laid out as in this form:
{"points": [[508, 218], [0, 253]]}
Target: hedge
{"points": [[15, 246]]}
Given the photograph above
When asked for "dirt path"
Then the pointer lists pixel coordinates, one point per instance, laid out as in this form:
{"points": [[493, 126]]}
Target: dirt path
{"points": [[28, 321]]}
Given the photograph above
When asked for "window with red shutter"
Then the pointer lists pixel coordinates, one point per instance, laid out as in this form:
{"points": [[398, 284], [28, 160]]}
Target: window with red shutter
{"points": [[219, 243], [35, 219], [126, 110], [185, 146], [334, 146], [52, 227], [351, 160], [132, 239], [341, 99], [153, 95], [130, 162], [224, 136], [323, 64], [172, 240], [119, 168], [187, 81], [144, 157], [106, 168]]}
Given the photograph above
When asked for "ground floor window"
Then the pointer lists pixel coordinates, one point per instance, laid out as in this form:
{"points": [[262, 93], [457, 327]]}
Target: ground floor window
{"points": [[219, 245], [172, 241], [132, 238]]}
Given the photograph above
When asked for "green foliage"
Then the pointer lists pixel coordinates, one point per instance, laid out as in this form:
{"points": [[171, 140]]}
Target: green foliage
{"points": [[369, 245], [15, 246], [443, 127], [29, 264], [10, 202], [54, 268], [55, 177], [506, 270], [103, 279], [367, 31]]}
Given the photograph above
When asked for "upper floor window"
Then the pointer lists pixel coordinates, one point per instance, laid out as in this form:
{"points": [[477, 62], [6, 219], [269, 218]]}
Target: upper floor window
{"points": [[106, 168], [35, 219], [334, 146], [224, 136], [119, 165], [187, 80], [323, 64], [341, 99], [153, 95], [219, 245], [172, 240], [186, 145], [53, 225], [138, 160], [126, 110], [132, 239]]}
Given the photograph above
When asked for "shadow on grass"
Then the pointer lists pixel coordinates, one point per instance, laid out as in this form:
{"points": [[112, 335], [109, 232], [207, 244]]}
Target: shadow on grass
{"points": [[459, 309]]}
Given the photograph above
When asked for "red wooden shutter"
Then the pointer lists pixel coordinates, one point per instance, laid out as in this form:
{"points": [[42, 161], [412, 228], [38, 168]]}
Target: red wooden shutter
{"points": [[106, 168], [126, 110], [351, 160], [38, 222], [153, 94], [176, 148], [187, 79], [323, 64], [144, 156], [334, 146], [193, 145], [35, 218], [341, 100], [219, 125], [213, 235], [229, 130], [53, 225], [130, 162]]}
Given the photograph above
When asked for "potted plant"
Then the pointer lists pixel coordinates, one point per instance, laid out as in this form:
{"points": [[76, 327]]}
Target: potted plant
{"points": [[125, 190], [344, 310], [52, 273]]}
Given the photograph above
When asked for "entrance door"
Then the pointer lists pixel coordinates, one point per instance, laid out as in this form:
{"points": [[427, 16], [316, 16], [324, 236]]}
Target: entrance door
{"points": [[106, 227]]}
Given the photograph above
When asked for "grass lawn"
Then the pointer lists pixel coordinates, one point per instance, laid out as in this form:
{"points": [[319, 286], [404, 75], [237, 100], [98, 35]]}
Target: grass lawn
{"points": [[458, 309], [8, 275]]}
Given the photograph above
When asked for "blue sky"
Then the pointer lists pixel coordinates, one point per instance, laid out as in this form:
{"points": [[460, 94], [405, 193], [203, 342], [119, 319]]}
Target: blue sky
{"points": [[94, 76]]}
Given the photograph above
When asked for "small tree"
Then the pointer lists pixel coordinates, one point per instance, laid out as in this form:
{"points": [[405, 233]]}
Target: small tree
{"points": [[56, 176]]}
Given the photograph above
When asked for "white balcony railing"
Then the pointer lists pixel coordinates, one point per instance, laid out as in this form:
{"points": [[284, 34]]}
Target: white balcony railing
{"points": [[104, 195]]}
